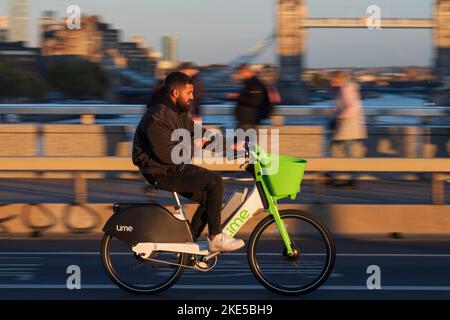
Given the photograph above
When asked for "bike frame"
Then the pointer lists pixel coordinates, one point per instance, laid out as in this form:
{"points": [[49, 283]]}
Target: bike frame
{"points": [[258, 199]]}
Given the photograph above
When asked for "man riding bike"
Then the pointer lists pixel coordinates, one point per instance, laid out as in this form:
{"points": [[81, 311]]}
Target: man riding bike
{"points": [[152, 153]]}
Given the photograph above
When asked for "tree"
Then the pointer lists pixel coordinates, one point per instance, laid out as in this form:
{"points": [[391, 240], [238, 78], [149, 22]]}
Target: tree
{"points": [[78, 79], [16, 83]]}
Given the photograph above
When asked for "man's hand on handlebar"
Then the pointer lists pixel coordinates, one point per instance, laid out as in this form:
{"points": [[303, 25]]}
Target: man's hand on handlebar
{"points": [[239, 146], [240, 150]]}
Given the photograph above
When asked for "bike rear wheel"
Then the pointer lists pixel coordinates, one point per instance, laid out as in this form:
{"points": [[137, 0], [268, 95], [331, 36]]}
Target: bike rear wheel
{"points": [[137, 275], [307, 269]]}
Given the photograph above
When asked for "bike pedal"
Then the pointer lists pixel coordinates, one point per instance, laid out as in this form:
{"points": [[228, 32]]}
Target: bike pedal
{"points": [[202, 265]]}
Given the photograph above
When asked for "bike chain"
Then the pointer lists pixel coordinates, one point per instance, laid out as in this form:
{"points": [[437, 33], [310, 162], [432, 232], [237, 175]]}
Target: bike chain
{"points": [[195, 267]]}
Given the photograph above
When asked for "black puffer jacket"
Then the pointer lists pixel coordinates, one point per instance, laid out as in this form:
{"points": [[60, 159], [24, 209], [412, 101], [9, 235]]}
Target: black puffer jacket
{"points": [[152, 145], [252, 102]]}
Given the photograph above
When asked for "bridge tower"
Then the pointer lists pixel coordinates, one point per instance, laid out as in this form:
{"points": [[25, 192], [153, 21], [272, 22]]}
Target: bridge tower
{"points": [[291, 43], [442, 39]]}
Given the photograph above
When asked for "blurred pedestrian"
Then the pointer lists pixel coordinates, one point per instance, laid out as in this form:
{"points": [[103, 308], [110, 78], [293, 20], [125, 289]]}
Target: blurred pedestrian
{"points": [[347, 125], [253, 102]]}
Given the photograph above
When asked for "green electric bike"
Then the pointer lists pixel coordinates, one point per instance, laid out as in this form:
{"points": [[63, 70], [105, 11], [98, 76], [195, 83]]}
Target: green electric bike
{"points": [[146, 247]]}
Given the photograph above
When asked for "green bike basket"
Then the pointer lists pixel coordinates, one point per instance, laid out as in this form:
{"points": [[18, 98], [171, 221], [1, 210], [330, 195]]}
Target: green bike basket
{"points": [[286, 180]]}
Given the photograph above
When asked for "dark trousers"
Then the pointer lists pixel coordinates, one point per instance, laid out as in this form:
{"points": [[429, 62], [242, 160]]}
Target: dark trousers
{"points": [[200, 185]]}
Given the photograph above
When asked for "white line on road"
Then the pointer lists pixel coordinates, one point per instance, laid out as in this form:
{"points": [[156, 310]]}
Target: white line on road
{"points": [[338, 288], [388, 288], [20, 264], [21, 258], [230, 287], [400, 255], [17, 269], [49, 253]]}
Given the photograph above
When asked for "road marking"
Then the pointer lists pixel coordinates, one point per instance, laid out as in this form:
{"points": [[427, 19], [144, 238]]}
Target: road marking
{"points": [[21, 258], [388, 288], [20, 264], [17, 269], [400, 255], [325, 287], [49, 253], [230, 287]]}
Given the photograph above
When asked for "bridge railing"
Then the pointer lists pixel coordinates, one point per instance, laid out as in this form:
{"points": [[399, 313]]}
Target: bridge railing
{"points": [[439, 168], [362, 23], [87, 112]]}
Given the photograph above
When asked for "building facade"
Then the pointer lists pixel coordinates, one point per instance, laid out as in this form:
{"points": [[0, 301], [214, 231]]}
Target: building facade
{"points": [[95, 41], [18, 16], [169, 45], [442, 39]]}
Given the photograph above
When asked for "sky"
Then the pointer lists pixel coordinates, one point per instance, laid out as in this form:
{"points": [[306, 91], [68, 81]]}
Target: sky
{"points": [[217, 31]]}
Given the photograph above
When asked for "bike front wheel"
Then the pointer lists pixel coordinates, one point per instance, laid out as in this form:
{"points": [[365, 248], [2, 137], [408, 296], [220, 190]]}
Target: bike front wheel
{"points": [[137, 275], [305, 270]]}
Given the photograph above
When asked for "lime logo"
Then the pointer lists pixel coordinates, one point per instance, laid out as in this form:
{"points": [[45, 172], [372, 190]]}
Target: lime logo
{"points": [[124, 228], [237, 222]]}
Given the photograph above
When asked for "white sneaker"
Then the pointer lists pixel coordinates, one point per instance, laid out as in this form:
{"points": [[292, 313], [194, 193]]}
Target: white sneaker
{"points": [[224, 243]]}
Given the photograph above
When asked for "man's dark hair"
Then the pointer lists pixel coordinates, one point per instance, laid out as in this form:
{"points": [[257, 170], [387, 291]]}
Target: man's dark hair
{"points": [[177, 79]]}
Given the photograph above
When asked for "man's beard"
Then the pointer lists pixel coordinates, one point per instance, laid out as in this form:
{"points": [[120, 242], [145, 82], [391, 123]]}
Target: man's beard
{"points": [[184, 106]]}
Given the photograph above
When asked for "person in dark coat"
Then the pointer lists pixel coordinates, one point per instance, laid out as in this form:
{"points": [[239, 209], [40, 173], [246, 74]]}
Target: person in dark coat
{"points": [[153, 152], [252, 101]]}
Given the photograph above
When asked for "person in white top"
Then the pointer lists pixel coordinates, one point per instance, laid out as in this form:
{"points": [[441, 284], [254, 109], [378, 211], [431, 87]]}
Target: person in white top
{"points": [[348, 123]]}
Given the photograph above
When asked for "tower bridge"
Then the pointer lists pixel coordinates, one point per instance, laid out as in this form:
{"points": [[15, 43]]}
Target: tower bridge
{"points": [[292, 25]]}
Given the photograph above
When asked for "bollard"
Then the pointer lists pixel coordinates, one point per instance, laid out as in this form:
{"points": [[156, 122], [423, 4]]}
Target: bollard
{"points": [[437, 188], [87, 119], [80, 187]]}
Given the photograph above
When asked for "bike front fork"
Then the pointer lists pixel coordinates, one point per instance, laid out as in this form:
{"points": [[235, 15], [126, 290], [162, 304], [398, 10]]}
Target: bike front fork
{"points": [[273, 210]]}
